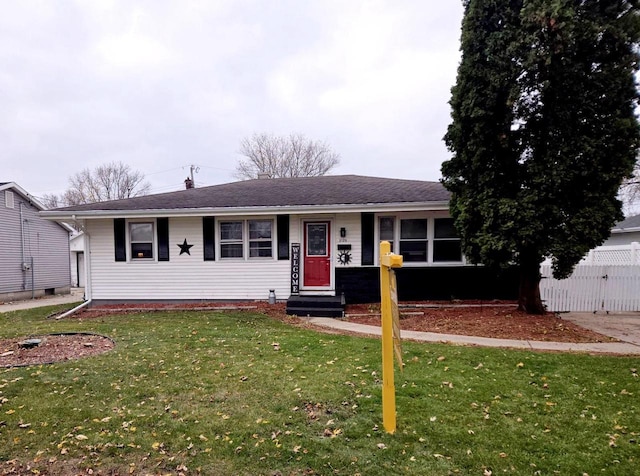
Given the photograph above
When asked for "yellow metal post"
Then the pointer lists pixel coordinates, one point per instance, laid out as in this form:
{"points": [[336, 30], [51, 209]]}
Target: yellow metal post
{"points": [[387, 261]]}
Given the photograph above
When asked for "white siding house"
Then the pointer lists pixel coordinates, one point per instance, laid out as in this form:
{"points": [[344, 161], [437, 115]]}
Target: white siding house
{"points": [[625, 232], [239, 241], [76, 247]]}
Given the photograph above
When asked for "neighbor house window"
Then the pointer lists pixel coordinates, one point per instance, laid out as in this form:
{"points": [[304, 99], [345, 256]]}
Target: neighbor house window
{"points": [[387, 230], [413, 240], [141, 239], [260, 239], [446, 242], [231, 243]]}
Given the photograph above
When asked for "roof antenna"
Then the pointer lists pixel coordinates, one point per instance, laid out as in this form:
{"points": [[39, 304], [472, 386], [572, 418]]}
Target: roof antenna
{"points": [[190, 182]]}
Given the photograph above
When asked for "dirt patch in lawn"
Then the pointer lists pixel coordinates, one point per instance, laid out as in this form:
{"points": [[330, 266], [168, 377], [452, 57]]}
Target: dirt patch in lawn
{"points": [[51, 348]]}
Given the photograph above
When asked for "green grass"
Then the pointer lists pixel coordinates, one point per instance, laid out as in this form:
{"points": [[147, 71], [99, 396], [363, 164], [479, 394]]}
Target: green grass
{"points": [[209, 392]]}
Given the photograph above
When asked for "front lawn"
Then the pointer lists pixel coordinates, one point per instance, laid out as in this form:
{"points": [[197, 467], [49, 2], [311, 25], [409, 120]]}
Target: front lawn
{"points": [[242, 394]]}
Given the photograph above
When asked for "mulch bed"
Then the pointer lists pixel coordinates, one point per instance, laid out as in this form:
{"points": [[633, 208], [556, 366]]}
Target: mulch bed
{"points": [[52, 348], [498, 320]]}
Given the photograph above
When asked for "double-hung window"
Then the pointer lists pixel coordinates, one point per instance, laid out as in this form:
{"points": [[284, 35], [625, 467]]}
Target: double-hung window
{"points": [[231, 239], [141, 240], [387, 227], [252, 238], [446, 242], [260, 239], [413, 240]]}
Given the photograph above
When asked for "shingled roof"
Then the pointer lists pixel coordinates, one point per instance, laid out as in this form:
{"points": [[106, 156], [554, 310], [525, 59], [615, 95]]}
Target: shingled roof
{"points": [[629, 224], [282, 192]]}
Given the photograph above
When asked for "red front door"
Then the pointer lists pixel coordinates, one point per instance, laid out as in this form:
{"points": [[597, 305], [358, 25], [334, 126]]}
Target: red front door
{"points": [[317, 259]]}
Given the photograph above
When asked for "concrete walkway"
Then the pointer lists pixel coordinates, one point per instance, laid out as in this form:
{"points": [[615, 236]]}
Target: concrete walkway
{"points": [[624, 327], [76, 295]]}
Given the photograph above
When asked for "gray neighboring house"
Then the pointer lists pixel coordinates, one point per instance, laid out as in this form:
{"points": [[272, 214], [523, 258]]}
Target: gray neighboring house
{"points": [[34, 252], [625, 232]]}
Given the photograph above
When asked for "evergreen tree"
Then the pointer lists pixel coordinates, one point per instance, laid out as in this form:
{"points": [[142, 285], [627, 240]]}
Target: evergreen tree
{"points": [[543, 132]]}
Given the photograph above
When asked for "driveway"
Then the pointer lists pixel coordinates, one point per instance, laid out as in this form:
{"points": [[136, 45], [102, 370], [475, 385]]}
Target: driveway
{"points": [[622, 326]]}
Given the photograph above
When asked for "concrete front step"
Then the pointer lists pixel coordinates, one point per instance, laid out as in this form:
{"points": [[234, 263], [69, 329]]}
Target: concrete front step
{"points": [[316, 306]]}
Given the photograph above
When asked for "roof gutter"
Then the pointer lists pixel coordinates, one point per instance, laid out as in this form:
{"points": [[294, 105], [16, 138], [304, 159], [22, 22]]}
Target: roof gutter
{"points": [[228, 211], [626, 230]]}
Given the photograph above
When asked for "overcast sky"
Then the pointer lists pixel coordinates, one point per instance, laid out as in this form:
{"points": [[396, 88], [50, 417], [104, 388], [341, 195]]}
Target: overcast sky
{"points": [[162, 85]]}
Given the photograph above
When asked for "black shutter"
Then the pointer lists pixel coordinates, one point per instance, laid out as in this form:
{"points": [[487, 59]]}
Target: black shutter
{"points": [[283, 236], [209, 238], [120, 239], [163, 239], [368, 246]]}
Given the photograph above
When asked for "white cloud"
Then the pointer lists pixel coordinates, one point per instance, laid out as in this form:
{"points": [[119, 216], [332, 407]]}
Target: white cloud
{"points": [[162, 84]]}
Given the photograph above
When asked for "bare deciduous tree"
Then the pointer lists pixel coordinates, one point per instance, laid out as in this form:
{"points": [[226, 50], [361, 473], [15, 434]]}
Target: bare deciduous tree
{"points": [[630, 192], [278, 156], [51, 200], [107, 182]]}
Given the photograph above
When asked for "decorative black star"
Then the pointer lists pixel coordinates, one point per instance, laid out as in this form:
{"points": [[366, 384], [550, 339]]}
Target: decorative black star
{"points": [[184, 247]]}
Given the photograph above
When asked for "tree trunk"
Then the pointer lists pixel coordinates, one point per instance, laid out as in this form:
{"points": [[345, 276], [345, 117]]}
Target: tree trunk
{"points": [[529, 293]]}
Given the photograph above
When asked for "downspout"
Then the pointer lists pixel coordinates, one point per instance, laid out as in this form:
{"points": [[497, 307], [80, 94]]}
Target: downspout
{"points": [[24, 276], [75, 309], [88, 282], [87, 277]]}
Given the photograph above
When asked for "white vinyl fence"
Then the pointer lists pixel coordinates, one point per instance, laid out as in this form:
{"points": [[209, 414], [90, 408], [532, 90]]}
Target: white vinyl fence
{"points": [[607, 280]]}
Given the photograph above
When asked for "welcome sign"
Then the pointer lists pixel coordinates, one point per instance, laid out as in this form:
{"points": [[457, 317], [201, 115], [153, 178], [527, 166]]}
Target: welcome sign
{"points": [[295, 268]]}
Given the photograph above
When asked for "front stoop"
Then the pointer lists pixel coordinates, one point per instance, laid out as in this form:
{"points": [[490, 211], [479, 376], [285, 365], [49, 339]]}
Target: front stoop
{"points": [[316, 306]]}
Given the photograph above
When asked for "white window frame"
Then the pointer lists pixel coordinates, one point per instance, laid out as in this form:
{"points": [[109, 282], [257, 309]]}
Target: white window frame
{"points": [[436, 240], [260, 240], [231, 241], [246, 239], [430, 217], [426, 239], [394, 239], [154, 241]]}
